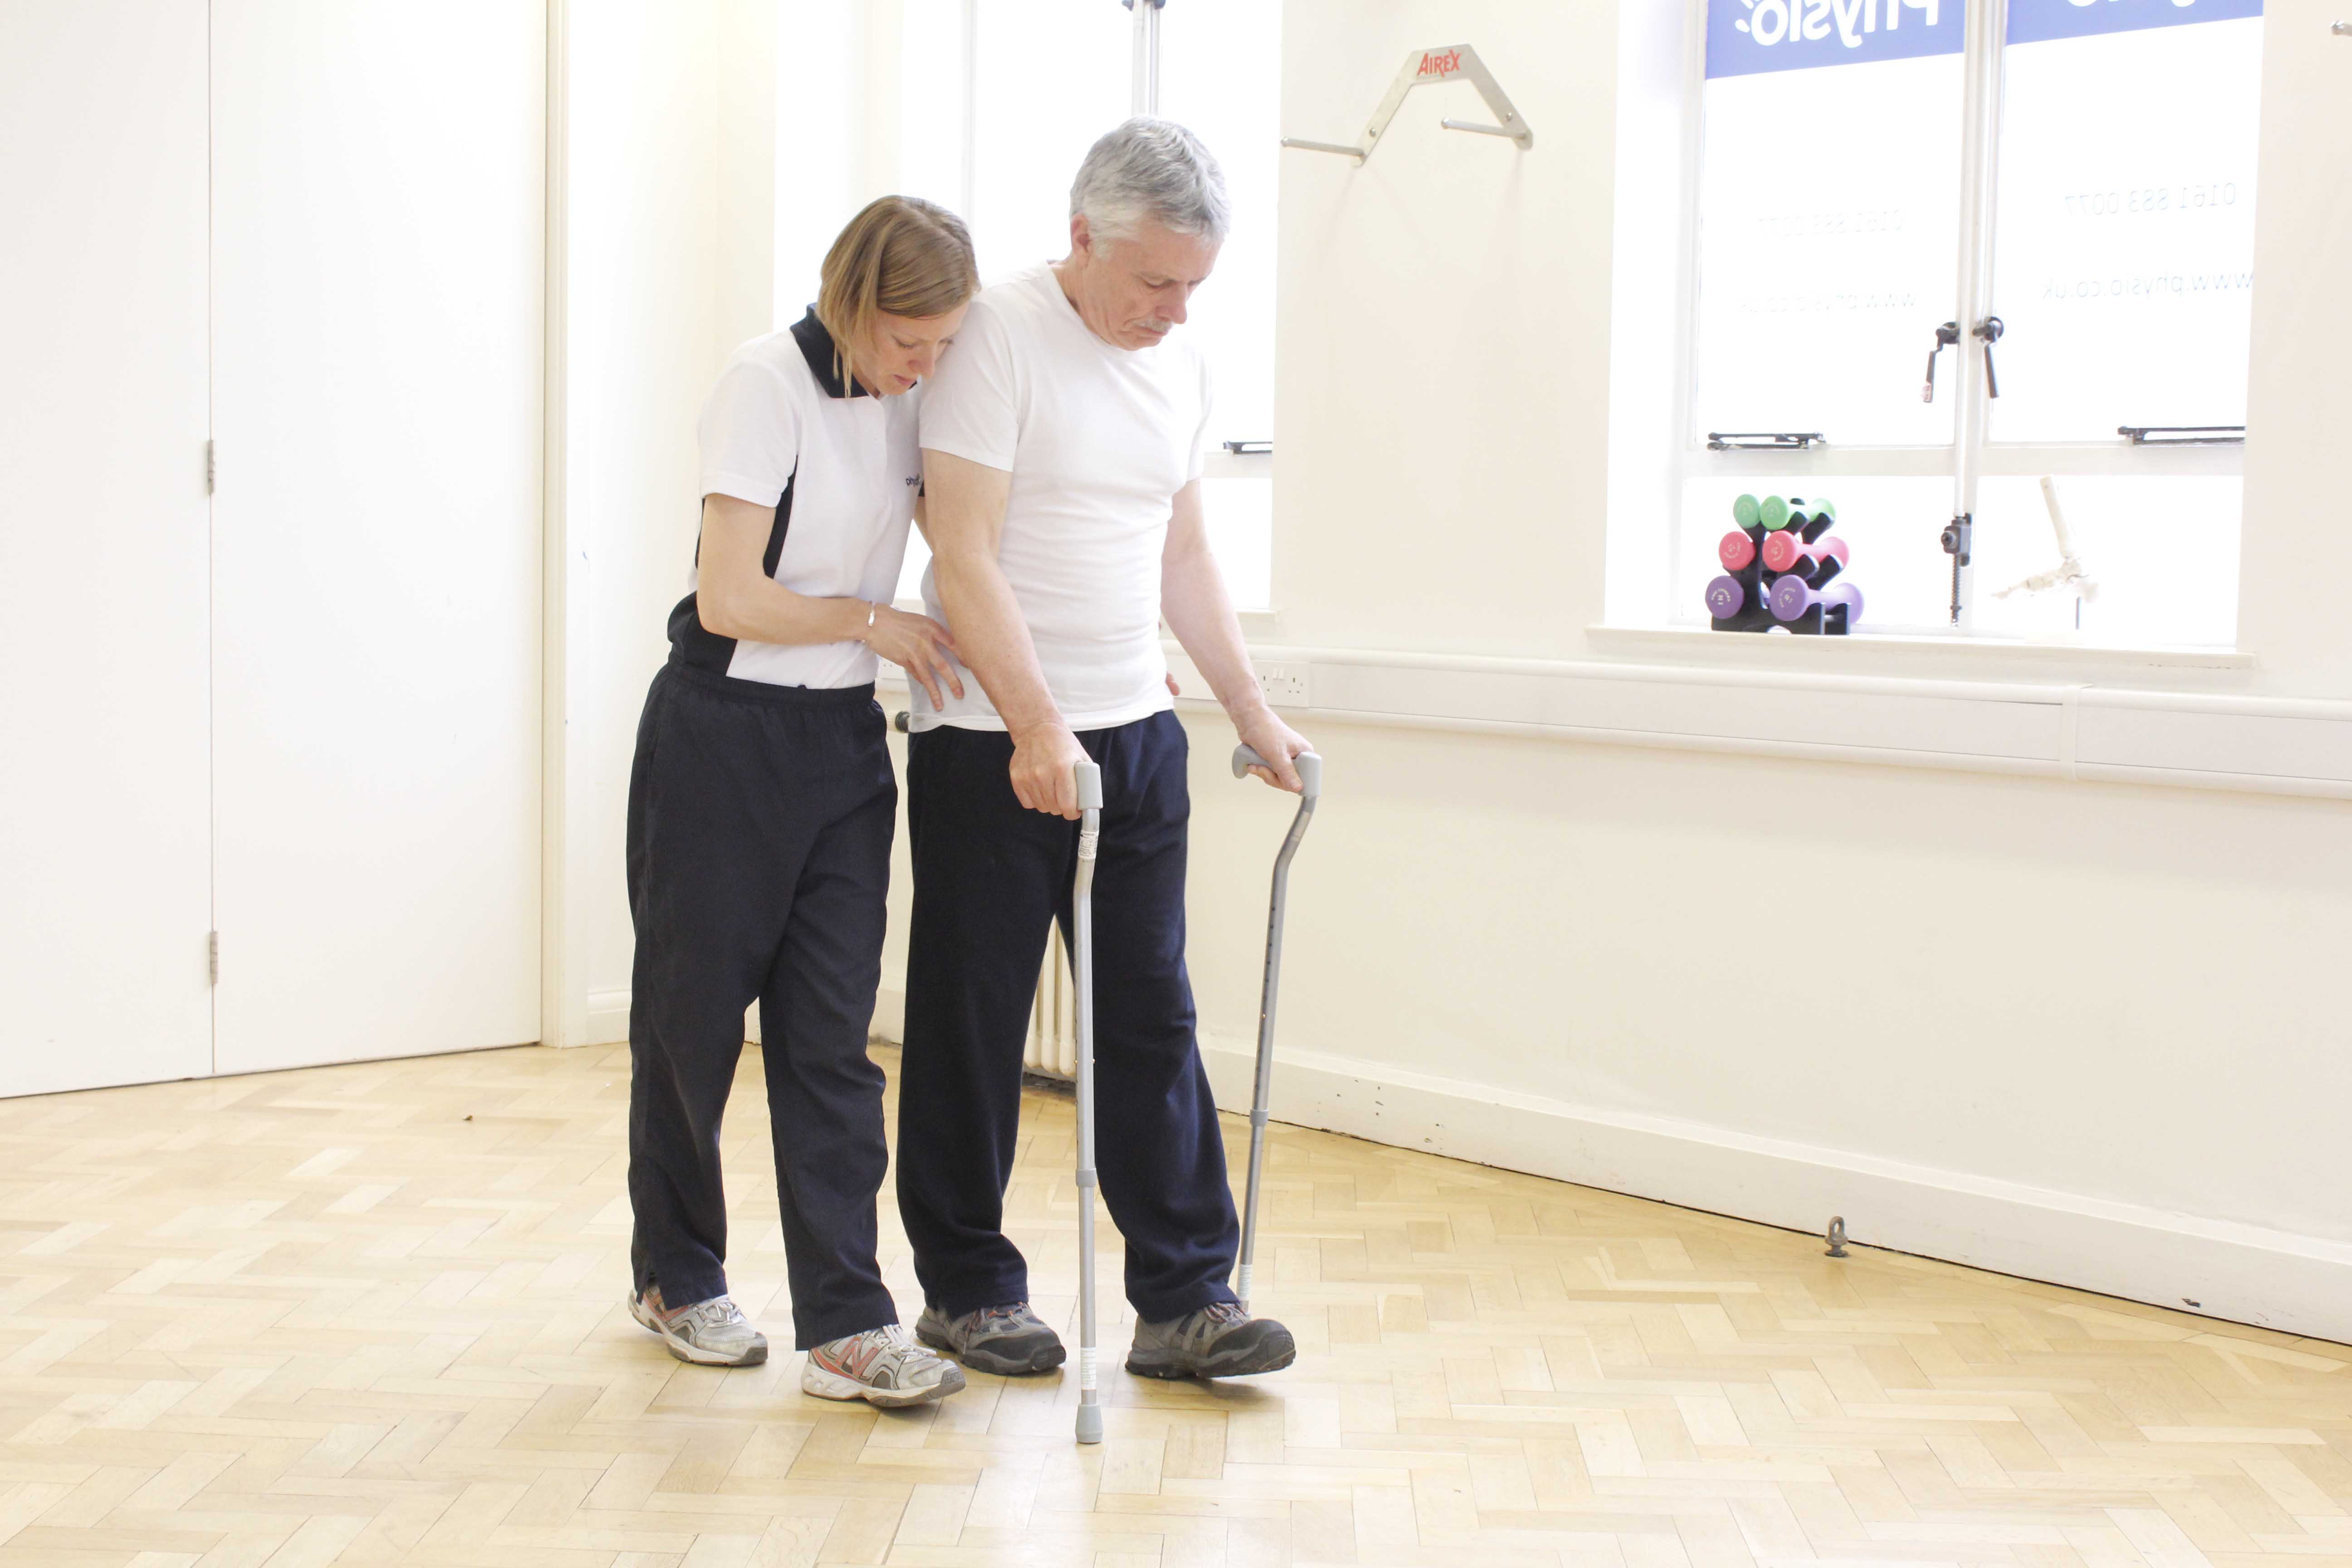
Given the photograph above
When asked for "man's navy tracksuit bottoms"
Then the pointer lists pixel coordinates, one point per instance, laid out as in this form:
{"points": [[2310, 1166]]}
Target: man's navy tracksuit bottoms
{"points": [[991, 879]]}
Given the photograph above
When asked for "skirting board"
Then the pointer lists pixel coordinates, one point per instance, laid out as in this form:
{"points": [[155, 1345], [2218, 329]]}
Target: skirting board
{"points": [[2247, 1274], [2275, 1280], [608, 1018]]}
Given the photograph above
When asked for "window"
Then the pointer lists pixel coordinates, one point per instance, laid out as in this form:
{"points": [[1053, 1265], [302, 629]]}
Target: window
{"points": [[999, 101], [1957, 249]]}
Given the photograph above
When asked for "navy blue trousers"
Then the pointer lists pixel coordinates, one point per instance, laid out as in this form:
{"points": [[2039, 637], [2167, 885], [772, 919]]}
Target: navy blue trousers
{"points": [[990, 879], [758, 858]]}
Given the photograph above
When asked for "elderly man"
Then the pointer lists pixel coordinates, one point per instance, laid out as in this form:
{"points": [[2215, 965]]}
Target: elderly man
{"points": [[1061, 453]]}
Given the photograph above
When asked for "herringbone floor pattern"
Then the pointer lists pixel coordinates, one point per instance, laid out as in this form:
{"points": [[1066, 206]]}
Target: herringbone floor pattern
{"points": [[373, 1313]]}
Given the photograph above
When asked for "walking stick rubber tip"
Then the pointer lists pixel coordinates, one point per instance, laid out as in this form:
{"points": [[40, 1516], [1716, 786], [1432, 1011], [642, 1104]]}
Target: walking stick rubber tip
{"points": [[1089, 1423]]}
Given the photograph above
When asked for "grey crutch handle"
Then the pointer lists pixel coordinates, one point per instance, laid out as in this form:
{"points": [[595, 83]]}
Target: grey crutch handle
{"points": [[1087, 775], [1309, 766]]}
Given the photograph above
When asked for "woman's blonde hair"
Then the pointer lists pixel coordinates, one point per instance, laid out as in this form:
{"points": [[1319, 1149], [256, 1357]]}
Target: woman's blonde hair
{"points": [[902, 255]]}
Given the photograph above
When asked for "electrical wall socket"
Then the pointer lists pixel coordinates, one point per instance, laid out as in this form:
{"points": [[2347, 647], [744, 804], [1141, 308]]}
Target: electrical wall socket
{"points": [[1285, 685]]}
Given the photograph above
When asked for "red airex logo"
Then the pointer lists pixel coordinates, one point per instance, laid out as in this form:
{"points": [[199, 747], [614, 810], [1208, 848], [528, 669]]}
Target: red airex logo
{"points": [[1442, 64]]}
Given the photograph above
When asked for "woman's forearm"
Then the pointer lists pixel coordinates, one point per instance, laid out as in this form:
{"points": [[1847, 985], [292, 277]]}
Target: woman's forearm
{"points": [[766, 611], [735, 597]]}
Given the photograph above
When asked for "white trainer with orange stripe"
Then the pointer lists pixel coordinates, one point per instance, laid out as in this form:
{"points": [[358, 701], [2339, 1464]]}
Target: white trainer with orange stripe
{"points": [[882, 1366]]}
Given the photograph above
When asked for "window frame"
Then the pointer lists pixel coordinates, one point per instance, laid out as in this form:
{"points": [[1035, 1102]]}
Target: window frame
{"points": [[1970, 456], [1144, 65]]}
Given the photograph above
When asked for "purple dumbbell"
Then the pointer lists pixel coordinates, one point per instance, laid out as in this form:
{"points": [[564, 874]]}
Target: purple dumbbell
{"points": [[1790, 598], [1726, 598]]}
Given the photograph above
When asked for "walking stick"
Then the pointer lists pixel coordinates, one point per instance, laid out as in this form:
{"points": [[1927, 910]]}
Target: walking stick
{"points": [[1082, 976], [1310, 777]]}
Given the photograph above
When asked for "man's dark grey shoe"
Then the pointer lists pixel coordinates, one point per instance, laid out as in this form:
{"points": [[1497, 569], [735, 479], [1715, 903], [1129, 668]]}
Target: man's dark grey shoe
{"points": [[1220, 1340], [1010, 1341]]}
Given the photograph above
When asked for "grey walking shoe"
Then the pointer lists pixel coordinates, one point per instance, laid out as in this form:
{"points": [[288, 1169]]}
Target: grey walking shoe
{"points": [[1009, 1341], [708, 1333], [1219, 1341], [882, 1366]]}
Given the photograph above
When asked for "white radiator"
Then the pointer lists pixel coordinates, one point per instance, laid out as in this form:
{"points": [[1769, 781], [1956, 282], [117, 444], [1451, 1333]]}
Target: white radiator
{"points": [[1052, 1019]]}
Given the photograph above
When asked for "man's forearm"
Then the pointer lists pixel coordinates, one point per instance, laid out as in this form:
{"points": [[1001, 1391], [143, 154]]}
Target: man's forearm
{"points": [[1198, 609], [992, 639]]}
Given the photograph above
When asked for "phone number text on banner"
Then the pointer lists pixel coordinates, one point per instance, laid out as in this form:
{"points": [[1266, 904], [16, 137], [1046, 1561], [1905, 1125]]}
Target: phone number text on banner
{"points": [[1746, 37]]}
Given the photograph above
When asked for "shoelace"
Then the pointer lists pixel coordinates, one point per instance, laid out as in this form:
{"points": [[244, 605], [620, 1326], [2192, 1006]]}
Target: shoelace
{"points": [[862, 1352], [1203, 1327], [990, 1316], [712, 1314]]}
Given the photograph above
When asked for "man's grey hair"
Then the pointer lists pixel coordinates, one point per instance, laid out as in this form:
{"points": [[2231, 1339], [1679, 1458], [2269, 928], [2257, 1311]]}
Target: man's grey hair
{"points": [[1151, 169]]}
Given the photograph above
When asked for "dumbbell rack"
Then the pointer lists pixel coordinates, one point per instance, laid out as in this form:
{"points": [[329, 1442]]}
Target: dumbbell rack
{"points": [[1746, 588]]}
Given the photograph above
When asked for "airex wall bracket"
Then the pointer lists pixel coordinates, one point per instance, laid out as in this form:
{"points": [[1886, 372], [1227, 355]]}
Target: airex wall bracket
{"points": [[1453, 62]]}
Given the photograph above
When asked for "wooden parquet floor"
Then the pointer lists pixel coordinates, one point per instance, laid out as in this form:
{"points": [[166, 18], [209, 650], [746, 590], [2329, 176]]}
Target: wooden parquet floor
{"points": [[373, 1313]]}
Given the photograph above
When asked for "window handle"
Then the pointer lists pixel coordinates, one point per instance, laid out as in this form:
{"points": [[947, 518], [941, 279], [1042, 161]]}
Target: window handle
{"points": [[1960, 539], [1988, 331], [1946, 336], [1764, 440], [2183, 435]]}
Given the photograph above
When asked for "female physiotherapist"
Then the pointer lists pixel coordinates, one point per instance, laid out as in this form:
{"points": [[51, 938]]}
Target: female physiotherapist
{"points": [[761, 807]]}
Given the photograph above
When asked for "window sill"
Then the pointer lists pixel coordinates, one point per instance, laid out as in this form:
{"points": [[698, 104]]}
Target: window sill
{"points": [[1944, 710], [1747, 650]]}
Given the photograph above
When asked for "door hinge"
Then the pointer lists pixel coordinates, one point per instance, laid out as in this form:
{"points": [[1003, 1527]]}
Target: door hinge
{"points": [[210, 470], [212, 957]]}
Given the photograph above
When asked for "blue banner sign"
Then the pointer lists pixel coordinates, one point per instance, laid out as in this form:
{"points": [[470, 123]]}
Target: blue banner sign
{"points": [[1744, 37], [2033, 21]]}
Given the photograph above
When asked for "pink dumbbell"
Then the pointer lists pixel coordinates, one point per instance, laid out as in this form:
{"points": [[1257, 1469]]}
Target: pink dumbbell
{"points": [[1737, 548], [1783, 550]]}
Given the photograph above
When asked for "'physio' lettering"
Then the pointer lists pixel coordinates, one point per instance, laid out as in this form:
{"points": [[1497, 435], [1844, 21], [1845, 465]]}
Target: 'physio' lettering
{"points": [[1744, 37], [1772, 20]]}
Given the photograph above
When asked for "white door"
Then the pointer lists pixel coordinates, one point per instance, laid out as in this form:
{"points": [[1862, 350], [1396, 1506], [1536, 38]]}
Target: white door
{"points": [[378, 193], [105, 831]]}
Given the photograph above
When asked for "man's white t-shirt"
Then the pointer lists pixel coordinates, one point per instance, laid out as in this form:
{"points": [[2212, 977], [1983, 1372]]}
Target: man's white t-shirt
{"points": [[1098, 439]]}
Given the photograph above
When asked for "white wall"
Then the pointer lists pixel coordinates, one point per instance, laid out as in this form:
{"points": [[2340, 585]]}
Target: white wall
{"points": [[2299, 411], [2079, 1031], [670, 195], [2102, 1016]]}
